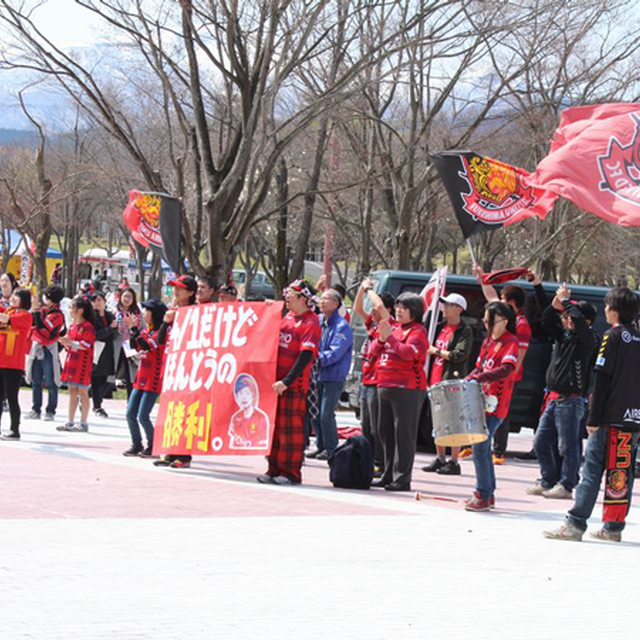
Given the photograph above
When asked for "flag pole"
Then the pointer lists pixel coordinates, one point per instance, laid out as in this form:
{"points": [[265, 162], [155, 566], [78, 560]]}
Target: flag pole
{"points": [[474, 261]]}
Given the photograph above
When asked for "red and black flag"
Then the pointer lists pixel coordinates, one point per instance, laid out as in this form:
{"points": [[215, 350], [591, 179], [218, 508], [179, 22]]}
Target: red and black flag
{"points": [[487, 194], [155, 220]]}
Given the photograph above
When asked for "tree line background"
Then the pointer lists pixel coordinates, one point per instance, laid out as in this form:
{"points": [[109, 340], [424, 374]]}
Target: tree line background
{"points": [[281, 123]]}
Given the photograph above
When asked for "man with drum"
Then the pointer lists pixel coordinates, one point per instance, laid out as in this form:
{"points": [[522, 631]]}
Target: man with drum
{"points": [[495, 370], [450, 360]]}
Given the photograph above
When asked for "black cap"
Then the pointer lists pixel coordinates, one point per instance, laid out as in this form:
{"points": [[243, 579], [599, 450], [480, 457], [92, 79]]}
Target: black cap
{"points": [[154, 304]]}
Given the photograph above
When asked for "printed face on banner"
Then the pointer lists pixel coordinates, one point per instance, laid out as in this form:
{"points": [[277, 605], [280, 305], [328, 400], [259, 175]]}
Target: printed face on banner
{"points": [[496, 193], [217, 395]]}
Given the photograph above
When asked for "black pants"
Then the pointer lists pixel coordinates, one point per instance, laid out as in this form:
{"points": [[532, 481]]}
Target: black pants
{"points": [[398, 416], [369, 421], [501, 437], [9, 387], [99, 388]]}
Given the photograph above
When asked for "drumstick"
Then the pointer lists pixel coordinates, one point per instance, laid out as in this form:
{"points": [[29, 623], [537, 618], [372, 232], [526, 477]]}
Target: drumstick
{"points": [[378, 305]]}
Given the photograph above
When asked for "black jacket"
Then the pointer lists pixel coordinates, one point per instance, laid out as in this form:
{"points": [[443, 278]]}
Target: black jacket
{"points": [[568, 372], [616, 392], [105, 333], [459, 347]]}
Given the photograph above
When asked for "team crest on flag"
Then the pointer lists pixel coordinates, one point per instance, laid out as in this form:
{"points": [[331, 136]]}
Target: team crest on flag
{"points": [[620, 166], [496, 192], [486, 193]]}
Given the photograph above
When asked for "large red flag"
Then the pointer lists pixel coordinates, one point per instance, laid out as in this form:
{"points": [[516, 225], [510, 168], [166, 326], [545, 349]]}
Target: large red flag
{"points": [[595, 161]]}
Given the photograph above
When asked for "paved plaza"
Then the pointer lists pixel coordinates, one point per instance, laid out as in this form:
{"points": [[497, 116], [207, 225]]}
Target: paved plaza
{"points": [[96, 545]]}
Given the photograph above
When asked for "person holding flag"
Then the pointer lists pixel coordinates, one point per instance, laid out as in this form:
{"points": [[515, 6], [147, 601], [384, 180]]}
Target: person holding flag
{"points": [[452, 351]]}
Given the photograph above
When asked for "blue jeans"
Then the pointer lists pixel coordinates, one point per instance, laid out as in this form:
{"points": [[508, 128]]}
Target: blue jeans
{"points": [[483, 462], [557, 442], [326, 427], [595, 460], [139, 410], [42, 372]]}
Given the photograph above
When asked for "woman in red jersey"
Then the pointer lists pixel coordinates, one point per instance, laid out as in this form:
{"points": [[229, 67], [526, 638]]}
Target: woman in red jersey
{"points": [[495, 370], [401, 352]]}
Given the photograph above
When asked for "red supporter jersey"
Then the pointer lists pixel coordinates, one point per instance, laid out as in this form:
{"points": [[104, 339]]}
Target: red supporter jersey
{"points": [[402, 357], [249, 432], [53, 321], [493, 354], [297, 333], [368, 359], [77, 367], [442, 342], [151, 367], [14, 339], [523, 333]]}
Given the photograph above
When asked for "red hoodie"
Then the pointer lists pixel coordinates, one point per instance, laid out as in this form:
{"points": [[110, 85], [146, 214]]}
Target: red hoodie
{"points": [[14, 339]]}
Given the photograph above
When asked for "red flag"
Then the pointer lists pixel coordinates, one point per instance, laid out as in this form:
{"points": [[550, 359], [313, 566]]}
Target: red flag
{"points": [[595, 162], [434, 289]]}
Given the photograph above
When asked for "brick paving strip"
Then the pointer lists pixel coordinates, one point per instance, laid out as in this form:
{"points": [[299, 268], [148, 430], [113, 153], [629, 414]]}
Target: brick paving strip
{"points": [[95, 545]]}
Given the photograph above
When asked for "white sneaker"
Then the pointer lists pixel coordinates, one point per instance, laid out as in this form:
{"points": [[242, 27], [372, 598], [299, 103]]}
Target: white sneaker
{"points": [[535, 490], [265, 478], [283, 481], [605, 534], [566, 532], [558, 492]]}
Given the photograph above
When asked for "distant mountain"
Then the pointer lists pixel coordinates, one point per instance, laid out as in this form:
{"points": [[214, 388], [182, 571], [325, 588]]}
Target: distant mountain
{"points": [[19, 137]]}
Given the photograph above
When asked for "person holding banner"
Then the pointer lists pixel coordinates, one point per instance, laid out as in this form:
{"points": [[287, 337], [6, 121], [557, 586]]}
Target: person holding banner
{"points": [[495, 369], [402, 388], [452, 352], [613, 425], [206, 291], [15, 327], [298, 346], [184, 295], [148, 381]]}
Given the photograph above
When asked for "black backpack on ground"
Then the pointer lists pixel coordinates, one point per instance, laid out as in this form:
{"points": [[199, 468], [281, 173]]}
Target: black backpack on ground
{"points": [[351, 464]]}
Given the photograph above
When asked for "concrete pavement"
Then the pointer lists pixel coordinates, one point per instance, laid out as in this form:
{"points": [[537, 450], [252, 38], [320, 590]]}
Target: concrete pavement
{"points": [[95, 545]]}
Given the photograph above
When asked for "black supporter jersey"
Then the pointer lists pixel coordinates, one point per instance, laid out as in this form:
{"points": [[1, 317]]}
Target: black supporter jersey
{"points": [[616, 393]]}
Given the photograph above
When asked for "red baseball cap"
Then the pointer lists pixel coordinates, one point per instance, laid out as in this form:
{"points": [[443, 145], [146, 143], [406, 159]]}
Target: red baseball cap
{"points": [[184, 282]]}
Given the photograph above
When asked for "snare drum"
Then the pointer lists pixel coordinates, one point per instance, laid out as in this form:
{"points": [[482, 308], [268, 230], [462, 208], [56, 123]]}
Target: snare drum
{"points": [[458, 413]]}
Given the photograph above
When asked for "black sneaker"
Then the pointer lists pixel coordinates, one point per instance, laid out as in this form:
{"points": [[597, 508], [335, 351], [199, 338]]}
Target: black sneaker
{"points": [[312, 454], [450, 469], [162, 462], [434, 466], [530, 455], [132, 451], [147, 453], [12, 435], [323, 455], [101, 412]]}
